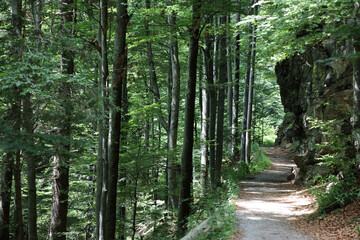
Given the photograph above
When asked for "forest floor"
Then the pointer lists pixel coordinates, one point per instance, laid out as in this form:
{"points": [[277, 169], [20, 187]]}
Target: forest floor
{"points": [[272, 208]]}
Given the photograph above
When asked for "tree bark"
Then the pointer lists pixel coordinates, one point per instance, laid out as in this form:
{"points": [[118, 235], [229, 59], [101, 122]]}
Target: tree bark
{"points": [[209, 77], [245, 135], [356, 86], [221, 104], [186, 158], [251, 88], [118, 77], [31, 172], [28, 126], [60, 188], [102, 164], [235, 117], [174, 114], [17, 15], [19, 222], [204, 136], [230, 86], [5, 195]]}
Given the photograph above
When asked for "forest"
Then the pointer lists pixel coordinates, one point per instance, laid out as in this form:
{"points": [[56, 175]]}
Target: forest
{"points": [[136, 119]]}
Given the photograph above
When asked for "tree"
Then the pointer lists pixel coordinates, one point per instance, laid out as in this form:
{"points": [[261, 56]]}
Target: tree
{"points": [[230, 86], [118, 77], [5, 195], [31, 157], [235, 110], [221, 102], [356, 86], [18, 38], [249, 90], [174, 112], [103, 151], [186, 157], [61, 161]]}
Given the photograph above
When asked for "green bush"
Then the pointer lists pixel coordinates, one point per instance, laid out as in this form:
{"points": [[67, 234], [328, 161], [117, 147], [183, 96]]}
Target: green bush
{"points": [[260, 161], [269, 140], [336, 193]]}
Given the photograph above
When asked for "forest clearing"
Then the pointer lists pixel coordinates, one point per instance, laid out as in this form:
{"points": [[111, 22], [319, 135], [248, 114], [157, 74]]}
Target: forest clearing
{"points": [[140, 119]]}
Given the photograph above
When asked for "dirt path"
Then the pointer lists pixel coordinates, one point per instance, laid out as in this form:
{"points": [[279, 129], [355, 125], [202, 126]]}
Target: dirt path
{"points": [[267, 202]]}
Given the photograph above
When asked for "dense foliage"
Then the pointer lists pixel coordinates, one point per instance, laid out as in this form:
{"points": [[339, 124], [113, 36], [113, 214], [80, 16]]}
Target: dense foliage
{"points": [[92, 120]]}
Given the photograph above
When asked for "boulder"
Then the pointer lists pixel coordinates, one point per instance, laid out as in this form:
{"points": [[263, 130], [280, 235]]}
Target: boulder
{"points": [[314, 85]]}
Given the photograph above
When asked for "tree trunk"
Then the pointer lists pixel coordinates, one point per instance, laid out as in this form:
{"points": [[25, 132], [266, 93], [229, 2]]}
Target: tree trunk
{"points": [[251, 88], [31, 172], [186, 158], [60, 188], [356, 86], [123, 141], [221, 105], [17, 17], [229, 87], [134, 206], [211, 88], [204, 136], [28, 126], [174, 115], [235, 116], [102, 164], [5, 195], [245, 135], [119, 76]]}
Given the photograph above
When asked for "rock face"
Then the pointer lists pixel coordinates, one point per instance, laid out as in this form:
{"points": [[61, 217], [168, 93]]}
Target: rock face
{"points": [[315, 86]]}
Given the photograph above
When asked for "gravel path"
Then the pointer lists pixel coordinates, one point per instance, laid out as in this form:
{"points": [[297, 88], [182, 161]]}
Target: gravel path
{"points": [[267, 202]]}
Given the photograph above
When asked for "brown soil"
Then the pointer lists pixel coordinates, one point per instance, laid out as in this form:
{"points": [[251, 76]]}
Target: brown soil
{"points": [[270, 207]]}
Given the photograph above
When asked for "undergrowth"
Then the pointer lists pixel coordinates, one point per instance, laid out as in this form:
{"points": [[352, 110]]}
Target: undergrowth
{"points": [[218, 205], [341, 185], [335, 193]]}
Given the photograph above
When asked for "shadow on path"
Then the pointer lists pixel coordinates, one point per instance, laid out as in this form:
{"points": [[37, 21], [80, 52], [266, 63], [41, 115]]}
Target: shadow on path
{"points": [[267, 201]]}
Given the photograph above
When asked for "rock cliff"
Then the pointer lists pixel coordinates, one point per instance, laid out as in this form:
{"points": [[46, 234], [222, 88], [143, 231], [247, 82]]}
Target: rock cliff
{"points": [[316, 91]]}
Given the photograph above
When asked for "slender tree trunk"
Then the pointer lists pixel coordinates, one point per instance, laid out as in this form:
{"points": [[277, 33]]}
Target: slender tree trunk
{"points": [[60, 188], [251, 88], [28, 126], [356, 86], [122, 172], [211, 88], [102, 165], [186, 158], [135, 200], [31, 172], [174, 114], [235, 117], [221, 105], [119, 76], [17, 17], [152, 73], [244, 152], [244, 117], [204, 161], [19, 223], [5, 195], [230, 86]]}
